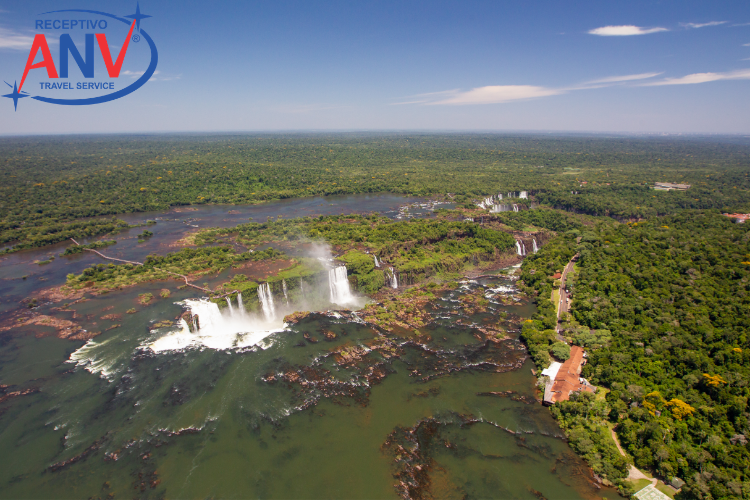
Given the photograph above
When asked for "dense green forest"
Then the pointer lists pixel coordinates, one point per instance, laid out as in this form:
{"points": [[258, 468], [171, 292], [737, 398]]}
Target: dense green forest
{"points": [[663, 308], [418, 249], [50, 181], [661, 292]]}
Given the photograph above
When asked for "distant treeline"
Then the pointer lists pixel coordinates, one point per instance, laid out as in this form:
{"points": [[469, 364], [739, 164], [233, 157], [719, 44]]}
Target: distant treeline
{"points": [[50, 181]]}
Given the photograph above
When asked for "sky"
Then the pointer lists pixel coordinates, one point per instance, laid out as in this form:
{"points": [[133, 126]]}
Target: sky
{"points": [[668, 66]]}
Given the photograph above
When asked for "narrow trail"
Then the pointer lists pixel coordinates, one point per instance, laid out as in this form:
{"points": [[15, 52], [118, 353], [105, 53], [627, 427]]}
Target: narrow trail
{"points": [[562, 303], [182, 276]]}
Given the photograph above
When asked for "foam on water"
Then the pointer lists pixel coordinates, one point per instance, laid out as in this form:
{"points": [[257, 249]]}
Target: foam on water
{"points": [[217, 331], [92, 356]]}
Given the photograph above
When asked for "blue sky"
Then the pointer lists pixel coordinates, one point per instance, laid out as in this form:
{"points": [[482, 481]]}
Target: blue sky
{"points": [[675, 66]]}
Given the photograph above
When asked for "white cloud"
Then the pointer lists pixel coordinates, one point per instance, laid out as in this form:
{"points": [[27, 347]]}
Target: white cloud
{"points": [[742, 74], [156, 77], [627, 30], [13, 40], [134, 74], [746, 44], [701, 25], [494, 94], [624, 78]]}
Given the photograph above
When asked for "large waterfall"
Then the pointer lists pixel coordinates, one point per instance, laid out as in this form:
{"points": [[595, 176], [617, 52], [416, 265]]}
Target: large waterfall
{"points": [[215, 330], [338, 282], [229, 305], [266, 302], [518, 248], [536, 249]]}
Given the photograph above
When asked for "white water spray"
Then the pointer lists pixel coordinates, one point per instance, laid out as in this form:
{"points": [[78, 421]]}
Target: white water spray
{"points": [[240, 305], [283, 286], [338, 283], [392, 278], [535, 248], [266, 302], [217, 330], [229, 305]]}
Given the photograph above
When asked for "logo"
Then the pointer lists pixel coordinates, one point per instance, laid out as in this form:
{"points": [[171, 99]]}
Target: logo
{"points": [[84, 89]]}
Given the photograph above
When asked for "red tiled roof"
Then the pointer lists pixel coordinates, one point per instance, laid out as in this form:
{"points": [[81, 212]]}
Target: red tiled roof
{"points": [[568, 377]]}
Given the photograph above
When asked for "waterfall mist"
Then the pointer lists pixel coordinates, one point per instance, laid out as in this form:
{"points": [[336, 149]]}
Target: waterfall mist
{"points": [[205, 324]]}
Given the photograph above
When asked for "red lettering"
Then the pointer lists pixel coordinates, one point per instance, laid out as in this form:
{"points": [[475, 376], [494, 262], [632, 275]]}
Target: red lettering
{"points": [[40, 43], [113, 69]]}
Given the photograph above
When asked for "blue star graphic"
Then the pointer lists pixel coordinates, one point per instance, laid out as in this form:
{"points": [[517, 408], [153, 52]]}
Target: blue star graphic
{"points": [[138, 16], [15, 95]]}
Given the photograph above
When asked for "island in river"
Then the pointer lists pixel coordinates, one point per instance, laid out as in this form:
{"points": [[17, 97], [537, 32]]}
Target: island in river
{"points": [[410, 379]]}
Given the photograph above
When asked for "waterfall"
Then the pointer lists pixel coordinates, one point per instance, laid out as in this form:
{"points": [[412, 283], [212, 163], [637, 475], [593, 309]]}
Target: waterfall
{"points": [[523, 248], [515, 207], [301, 287], [524, 195], [229, 305], [391, 278], [501, 208], [266, 302], [536, 249], [283, 286], [518, 248], [240, 305], [338, 282], [377, 264], [216, 329]]}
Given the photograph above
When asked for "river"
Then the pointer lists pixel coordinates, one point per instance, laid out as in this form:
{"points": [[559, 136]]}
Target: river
{"points": [[326, 408]]}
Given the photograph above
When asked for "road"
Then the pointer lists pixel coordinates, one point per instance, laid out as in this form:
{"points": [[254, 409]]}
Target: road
{"points": [[562, 303]]}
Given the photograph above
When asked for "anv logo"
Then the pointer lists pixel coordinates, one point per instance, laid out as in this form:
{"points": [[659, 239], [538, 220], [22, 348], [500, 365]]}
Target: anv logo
{"points": [[92, 24]]}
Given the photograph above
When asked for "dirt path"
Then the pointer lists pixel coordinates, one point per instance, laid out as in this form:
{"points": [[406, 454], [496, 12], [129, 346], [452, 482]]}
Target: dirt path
{"points": [[141, 263], [633, 473], [562, 303]]}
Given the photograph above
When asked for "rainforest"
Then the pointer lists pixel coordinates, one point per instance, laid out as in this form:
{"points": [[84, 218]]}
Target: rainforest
{"points": [[181, 307]]}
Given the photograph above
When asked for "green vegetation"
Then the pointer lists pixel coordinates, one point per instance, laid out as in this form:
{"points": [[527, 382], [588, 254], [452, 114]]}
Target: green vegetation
{"points": [[22, 235], [122, 174], [188, 261], [660, 291], [417, 248], [74, 249], [584, 420], [145, 299], [555, 220], [144, 235], [663, 308]]}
